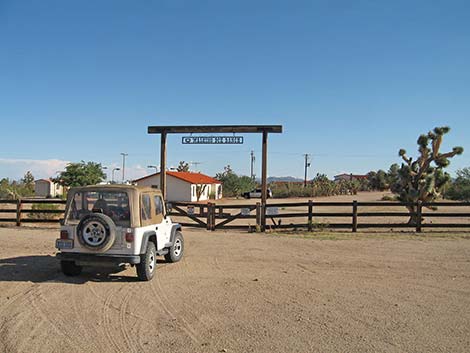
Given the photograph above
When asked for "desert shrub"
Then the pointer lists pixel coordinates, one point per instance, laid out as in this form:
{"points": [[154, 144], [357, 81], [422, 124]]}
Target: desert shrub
{"points": [[318, 187], [459, 189]]}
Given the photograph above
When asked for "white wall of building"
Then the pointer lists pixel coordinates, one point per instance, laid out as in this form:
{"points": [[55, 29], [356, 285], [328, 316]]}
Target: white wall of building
{"points": [[180, 190], [45, 188]]}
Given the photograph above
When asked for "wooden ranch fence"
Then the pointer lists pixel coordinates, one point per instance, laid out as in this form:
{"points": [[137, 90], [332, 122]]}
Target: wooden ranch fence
{"points": [[37, 211], [309, 215]]}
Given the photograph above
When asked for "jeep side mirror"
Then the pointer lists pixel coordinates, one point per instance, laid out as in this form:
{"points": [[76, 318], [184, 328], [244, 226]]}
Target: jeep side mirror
{"points": [[169, 207]]}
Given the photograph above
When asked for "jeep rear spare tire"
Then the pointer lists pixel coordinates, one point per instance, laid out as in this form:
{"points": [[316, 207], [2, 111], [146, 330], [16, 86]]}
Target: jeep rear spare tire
{"points": [[96, 232]]}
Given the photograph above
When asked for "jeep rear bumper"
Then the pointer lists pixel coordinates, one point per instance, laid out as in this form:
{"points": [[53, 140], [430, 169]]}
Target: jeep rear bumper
{"points": [[99, 258]]}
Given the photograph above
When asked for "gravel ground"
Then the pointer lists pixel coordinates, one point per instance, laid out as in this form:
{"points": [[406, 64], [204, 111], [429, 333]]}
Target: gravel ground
{"points": [[239, 292]]}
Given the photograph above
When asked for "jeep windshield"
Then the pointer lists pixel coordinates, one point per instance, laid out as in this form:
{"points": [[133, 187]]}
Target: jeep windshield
{"points": [[114, 204]]}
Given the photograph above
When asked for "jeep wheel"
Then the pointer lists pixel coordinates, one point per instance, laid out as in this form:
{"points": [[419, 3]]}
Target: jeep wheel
{"points": [[69, 268], [148, 263], [175, 252], [96, 232]]}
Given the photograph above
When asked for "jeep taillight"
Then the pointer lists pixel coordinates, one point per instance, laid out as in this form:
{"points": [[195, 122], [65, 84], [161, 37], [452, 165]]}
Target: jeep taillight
{"points": [[64, 234], [129, 236]]}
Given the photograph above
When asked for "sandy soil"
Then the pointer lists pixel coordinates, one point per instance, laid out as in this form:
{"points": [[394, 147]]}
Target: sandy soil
{"points": [[239, 292]]}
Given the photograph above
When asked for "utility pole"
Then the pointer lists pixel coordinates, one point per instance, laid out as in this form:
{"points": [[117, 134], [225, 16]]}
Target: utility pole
{"points": [[114, 169], [307, 165], [252, 164], [124, 155]]}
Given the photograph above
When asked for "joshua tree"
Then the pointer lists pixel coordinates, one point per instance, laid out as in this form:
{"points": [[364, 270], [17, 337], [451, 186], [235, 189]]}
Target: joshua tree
{"points": [[183, 167], [424, 179]]}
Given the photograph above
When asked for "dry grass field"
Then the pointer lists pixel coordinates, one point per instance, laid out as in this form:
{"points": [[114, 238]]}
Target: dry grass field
{"points": [[240, 292]]}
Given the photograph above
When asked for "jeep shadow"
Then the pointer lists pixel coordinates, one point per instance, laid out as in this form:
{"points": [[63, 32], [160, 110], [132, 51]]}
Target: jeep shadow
{"points": [[46, 268]]}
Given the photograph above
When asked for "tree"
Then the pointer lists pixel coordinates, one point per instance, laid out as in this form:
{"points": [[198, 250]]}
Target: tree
{"points": [[234, 185], [28, 182], [424, 179], [17, 189], [392, 174], [183, 167], [460, 187], [200, 188], [378, 180], [81, 174]]}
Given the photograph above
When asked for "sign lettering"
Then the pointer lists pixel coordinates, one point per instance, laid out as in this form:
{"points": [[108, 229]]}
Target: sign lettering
{"points": [[212, 140]]}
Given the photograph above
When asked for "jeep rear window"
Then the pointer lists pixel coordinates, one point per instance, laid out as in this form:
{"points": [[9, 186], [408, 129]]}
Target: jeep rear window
{"points": [[114, 204]]}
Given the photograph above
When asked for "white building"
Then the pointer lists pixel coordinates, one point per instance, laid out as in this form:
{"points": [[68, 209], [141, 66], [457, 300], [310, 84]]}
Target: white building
{"points": [[185, 186], [47, 188]]}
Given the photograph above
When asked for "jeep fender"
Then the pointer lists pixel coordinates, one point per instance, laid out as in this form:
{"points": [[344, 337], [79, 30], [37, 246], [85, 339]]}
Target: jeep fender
{"points": [[174, 229], [145, 240]]}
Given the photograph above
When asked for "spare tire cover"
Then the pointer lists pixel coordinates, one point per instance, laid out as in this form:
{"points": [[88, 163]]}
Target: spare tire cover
{"points": [[96, 232]]}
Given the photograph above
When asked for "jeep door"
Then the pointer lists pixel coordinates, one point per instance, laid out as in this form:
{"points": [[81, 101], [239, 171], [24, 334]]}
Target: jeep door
{"points": [[165, 224]]}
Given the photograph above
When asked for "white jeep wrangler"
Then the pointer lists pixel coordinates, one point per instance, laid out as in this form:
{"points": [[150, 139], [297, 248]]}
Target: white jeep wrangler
{"points": [[115, 225]]}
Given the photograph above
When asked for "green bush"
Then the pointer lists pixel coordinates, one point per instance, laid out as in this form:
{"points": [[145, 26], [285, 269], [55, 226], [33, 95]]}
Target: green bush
{"points": [[44, 215]]}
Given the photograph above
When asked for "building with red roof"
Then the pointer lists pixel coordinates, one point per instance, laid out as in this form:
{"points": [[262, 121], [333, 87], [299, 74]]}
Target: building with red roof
{"points": [[185, 186]]}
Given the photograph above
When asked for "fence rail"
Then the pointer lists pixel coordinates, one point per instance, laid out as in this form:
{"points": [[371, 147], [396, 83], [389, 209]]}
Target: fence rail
{"points": [[309, 215]]}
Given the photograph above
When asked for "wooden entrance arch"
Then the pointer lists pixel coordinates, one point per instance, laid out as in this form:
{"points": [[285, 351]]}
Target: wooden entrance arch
{"points": [[242, 129]]}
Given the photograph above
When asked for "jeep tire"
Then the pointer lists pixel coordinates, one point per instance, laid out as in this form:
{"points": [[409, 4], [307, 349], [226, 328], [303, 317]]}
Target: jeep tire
{"points": [[148, 263], [175, 252], [96, 232], [70, 268]]}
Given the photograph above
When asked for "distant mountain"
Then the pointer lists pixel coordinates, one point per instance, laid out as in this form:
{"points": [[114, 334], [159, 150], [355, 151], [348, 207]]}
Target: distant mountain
{"points": [[284, 179]]}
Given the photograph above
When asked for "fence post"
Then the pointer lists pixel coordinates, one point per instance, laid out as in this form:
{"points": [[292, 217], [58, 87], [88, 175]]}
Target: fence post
{"points": [[354, 217], [209, 216], [419, 213], [310, 215], [258, 216], [213, 217], [19, 206]]}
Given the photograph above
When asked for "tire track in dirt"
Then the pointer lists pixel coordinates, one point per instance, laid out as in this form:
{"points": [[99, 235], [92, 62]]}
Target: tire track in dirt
{"points": [[130, 341], [108, 331], [93, 291], [78, 314], [61, 330], [166, 305], [206, 320], [23, 345]]}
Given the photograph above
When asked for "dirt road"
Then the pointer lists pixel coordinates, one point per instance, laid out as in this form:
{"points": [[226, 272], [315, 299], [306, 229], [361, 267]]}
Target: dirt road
{"points": [[238, 292]]}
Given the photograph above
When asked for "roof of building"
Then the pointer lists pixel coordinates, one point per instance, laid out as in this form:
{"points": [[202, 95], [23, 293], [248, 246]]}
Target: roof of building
{"points": [[354, 176], [189, 177], [46, 180]]}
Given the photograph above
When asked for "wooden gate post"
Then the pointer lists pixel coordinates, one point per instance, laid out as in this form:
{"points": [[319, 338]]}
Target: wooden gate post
{"points": [[213, 217], [310, 216], [354, 217], [258, 216], [209, 216], [19, 206], [163, 164]]}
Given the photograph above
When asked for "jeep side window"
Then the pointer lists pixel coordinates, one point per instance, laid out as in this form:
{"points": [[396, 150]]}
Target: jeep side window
{"points": [[158, 205], [145, 207]]}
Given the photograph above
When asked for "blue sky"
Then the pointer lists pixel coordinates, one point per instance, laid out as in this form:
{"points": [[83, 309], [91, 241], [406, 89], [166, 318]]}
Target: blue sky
{"points": [[350, 81]]}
